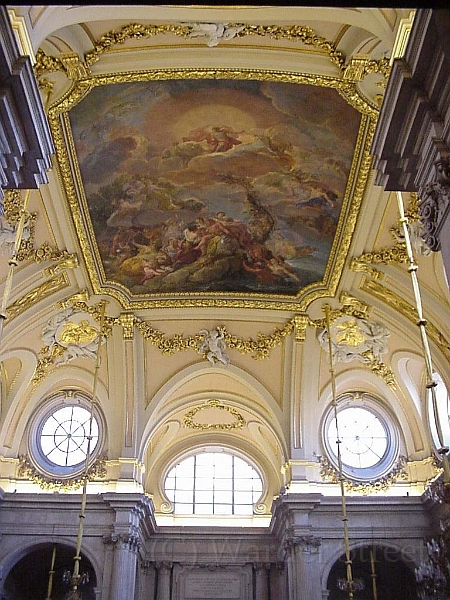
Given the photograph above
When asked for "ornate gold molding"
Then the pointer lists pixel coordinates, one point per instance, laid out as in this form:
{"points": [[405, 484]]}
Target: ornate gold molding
{"points": [[358, 177], [406, 309], [391, 255], [46, 289], [328, 472], [26, 470], [306, 35], [189, 422]]}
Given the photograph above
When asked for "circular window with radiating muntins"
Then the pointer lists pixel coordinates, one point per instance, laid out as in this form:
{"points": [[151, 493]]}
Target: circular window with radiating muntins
{"points": [[65, 429], [364, 433]]}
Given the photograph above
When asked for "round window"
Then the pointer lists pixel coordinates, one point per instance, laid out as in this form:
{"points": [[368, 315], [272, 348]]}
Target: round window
{"points": [[63, 432], [367, 438]]}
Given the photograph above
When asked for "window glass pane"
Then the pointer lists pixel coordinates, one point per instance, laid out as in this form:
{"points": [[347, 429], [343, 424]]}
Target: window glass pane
{"points": [[212, 484], [185, 509], [183, 496], [203, 497], [203, 509], [185, 483], [223, 484], [64, 434], [223, 497], [243, 497], [223, 509]]}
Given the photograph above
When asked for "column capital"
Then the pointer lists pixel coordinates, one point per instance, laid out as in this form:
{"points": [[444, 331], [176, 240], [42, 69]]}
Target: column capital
{"points": [[308, 543], [164, 565], [435, 203]]}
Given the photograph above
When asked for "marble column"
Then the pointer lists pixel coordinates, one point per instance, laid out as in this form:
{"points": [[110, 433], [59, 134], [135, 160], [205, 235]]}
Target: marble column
{"points": [[123, 579], [147, 581], [304, 568], [277, 581], [262, 581], [163, 582]]}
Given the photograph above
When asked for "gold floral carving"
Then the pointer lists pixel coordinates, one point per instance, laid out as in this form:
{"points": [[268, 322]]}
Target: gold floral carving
{"points": [[127, 320], [46, 64], [359, 172], [328, 472], [27, 471], [360, 65], [379, 368], [259, 348], [46, 289], [189, 422]]}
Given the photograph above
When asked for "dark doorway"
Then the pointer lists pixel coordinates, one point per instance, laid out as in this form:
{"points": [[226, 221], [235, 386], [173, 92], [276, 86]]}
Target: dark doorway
{"points": [[30, 575], [394, 578]]}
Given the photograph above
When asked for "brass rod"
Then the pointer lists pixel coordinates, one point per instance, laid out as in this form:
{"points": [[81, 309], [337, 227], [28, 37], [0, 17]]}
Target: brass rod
{"points": [[82, 515], [421, 322], [348, 560], [373, 575], [13, 262], [51, 574]]}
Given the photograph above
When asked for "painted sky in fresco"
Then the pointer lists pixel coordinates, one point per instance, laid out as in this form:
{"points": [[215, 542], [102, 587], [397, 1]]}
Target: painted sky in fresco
{"points": [[220, 185]]}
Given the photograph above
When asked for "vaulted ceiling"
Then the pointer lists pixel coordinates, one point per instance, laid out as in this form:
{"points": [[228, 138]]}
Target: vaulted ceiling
{"points": [[212, 173]]}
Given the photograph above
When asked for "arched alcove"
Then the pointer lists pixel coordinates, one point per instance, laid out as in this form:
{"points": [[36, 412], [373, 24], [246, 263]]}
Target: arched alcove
{"points": [[394, 577], [29, 577]]}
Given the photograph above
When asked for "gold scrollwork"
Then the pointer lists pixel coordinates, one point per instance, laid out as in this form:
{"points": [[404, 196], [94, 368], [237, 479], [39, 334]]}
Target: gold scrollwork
{"points": [[328, 472], [189, 422], [27, 471], [46, 289]]}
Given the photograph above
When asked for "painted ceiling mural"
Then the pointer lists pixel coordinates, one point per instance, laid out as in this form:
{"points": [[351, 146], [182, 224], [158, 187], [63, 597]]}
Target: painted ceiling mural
{"points": [[214, 185]]}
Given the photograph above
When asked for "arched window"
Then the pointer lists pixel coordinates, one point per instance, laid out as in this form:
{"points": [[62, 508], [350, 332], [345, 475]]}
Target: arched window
{"points": [[59, 434], [442, 401], [213, 483], [368, 437]]}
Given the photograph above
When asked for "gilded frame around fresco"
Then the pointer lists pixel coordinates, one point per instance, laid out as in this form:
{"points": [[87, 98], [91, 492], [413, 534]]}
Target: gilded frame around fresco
{"points": [[71, 179]]}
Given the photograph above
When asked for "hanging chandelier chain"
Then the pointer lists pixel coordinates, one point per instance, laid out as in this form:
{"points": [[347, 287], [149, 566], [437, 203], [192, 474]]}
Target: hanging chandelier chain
{"points": [[421, 323], [348, 560]]}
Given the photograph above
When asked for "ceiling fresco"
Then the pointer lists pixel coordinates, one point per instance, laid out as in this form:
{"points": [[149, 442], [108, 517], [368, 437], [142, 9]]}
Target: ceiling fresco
{"points": [[216, 185]]}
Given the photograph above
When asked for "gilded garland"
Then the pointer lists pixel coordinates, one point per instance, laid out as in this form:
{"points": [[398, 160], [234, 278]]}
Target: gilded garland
{"points": [[27, 471], [190, 422], [398, 472]]}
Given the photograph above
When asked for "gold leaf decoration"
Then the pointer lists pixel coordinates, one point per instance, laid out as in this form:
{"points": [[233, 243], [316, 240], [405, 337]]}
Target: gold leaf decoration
{"points": [[26, 470], [189, 422], [259, 348], [328, 472]]}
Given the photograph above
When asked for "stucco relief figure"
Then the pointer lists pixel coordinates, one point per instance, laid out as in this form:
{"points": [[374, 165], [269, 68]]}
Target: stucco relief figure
{"points": [[74, 333], [8, 235], [214, 32], [351, 338], [213, 347], [416, 230]]}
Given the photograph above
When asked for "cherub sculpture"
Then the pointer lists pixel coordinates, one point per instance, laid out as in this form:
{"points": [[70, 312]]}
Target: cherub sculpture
{"points": [[213, 347]]}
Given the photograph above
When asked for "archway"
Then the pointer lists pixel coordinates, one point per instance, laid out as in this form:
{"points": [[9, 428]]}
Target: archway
{"points": [[29, 577], [394, 578]]}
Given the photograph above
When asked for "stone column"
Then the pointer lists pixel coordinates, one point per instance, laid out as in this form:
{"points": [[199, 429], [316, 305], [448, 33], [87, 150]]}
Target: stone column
{"points": [[163, 582], [123, 579], [277, 582], [304, 568], [147, 580], [262, 581]]}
